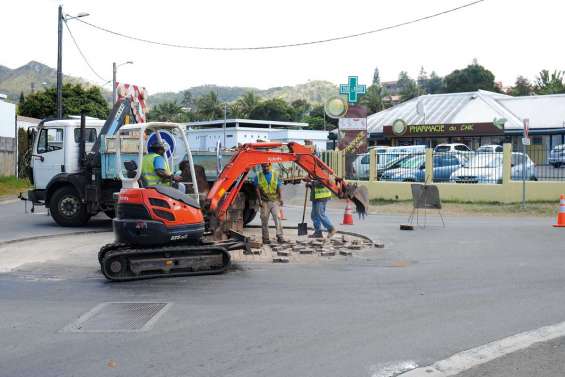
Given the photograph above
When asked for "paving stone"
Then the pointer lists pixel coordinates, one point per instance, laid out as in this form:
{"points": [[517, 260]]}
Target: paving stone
{"points": [[346, 253], [253, 252], [255, 244], [306, 251], [283, 253], [328, 253], [280, 260]]}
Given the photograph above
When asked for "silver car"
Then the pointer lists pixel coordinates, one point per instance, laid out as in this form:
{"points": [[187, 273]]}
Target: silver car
{"points": [[487, 168], [557, 156]]}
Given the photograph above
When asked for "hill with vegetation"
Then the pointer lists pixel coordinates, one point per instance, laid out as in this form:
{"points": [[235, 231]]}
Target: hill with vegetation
{"points": [[315, 92], [31, 75]]}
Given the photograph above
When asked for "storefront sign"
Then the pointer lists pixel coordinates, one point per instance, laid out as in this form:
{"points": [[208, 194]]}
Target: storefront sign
{"points": [[438, 130], [353, 124]]}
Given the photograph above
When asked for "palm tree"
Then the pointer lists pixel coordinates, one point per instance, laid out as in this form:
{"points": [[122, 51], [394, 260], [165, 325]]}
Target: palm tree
{"points": [[167, 112], [247, 103], [373, 99], [209, 107]]}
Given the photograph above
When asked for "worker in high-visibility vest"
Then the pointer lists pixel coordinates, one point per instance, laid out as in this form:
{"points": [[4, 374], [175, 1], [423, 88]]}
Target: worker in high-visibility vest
{"points": [[155, 170], [268, 187], [320, 195]]}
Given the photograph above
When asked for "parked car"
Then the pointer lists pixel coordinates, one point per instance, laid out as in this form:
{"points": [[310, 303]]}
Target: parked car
{"points": [[557, 156], [413, 169], [385, 157], [487, 168], [490, 148], [361, 162], [452, 147]]}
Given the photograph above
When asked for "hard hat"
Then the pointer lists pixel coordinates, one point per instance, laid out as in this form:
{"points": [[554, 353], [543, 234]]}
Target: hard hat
{"points": [[157, 144]]}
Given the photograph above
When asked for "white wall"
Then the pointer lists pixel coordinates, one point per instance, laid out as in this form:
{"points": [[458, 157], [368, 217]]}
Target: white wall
{"points": [[206, 139], [7, 119]]}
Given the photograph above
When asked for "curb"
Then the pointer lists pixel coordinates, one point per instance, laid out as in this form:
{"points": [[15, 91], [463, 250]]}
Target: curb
{"points": [[47, 236]]}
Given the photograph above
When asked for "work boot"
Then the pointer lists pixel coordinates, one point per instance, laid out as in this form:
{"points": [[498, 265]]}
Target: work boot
{"points": [[331, 233], [280, 239], [316, 235]]}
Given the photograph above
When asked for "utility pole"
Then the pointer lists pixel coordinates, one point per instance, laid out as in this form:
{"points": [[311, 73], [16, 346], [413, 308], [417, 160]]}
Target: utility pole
{"points": [[60, 63], [114, 69], [225, 120]]}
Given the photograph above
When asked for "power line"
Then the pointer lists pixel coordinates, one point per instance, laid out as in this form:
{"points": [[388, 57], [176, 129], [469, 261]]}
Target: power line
{"points": [[82, 54], [320, 41]]}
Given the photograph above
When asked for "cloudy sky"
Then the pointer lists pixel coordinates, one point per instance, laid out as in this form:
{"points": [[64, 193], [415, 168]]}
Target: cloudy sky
{"points": [[510, 37]]}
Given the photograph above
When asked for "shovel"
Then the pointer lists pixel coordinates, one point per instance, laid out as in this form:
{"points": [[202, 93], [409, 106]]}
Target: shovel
{"points": [[303, 227]]}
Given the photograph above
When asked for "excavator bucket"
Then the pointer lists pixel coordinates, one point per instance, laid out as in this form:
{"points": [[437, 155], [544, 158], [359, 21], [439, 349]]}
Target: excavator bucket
{"points": [[360, 197]]}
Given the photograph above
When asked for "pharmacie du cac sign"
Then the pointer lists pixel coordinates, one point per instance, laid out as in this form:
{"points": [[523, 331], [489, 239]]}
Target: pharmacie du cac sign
{"points": [[400, 129]]}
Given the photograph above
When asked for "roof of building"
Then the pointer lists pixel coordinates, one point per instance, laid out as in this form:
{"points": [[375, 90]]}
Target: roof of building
{"points": [[231, 122], [28, 119], [543, 111]]}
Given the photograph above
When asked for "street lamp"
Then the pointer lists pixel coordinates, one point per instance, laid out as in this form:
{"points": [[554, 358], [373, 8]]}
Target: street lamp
{"points": [[114, 71], [60, 20]]}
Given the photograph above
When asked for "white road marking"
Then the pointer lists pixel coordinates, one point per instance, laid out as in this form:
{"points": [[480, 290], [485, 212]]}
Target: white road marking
{"points": [[392, 369], [462, 361]]}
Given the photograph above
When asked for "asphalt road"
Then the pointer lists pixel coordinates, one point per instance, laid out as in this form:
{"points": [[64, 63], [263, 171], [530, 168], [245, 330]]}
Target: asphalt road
{"points": [[15, 223], [428, 294]]}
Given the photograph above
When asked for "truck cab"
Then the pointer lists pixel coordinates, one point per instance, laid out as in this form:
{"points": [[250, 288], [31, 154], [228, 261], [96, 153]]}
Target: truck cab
{"points": [[60, 180], [56, 149]]}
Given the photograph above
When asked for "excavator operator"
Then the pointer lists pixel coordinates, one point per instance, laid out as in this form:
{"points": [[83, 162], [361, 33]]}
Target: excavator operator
{"points": [[268, 188], [156, 171]]}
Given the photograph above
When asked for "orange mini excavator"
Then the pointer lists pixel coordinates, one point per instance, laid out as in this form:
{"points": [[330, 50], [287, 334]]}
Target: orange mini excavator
{"points": [[163, 232]]}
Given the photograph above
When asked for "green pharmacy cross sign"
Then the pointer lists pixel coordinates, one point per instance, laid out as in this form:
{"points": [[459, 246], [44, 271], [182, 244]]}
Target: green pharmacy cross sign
{"points": [[352, 89]]}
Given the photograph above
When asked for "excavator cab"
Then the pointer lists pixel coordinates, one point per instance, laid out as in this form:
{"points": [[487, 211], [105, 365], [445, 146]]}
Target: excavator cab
{"points": [[153, 215]]}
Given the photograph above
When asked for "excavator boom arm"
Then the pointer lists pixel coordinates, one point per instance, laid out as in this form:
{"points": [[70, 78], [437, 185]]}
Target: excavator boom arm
{"points": [[228, 184]]}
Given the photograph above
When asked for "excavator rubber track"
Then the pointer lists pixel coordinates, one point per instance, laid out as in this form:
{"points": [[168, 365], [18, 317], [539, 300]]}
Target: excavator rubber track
{"points": [[122, 262]]}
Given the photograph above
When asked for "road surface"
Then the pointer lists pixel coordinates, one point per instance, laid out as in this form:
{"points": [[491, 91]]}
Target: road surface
{"points": [[428, 294]]}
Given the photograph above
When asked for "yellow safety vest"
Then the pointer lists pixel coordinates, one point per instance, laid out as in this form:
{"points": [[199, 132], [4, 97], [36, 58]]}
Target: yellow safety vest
{"points": [[321, 192], [149, 175], [268, 189]]}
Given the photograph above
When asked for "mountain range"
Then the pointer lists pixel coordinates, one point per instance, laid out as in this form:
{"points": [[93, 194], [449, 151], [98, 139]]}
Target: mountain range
{"points": [[35, 76], [29, 77]]}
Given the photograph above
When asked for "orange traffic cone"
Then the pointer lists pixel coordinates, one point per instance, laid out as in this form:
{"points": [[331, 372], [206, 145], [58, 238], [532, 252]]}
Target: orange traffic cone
{"points": [[348, 215], [561, 214], [281, 214]]}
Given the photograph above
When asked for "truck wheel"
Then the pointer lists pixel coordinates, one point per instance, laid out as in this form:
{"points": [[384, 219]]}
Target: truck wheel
{"points": [[66, 207]]}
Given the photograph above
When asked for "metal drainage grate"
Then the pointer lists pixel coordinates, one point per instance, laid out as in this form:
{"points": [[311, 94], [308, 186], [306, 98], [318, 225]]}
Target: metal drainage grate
{"points": [[119, 317]]}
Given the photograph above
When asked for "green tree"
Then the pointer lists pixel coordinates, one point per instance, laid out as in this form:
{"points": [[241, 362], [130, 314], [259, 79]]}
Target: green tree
{"points": [[408, 87], [273, 109], [247, 103], [470, 79], [168, 112], [550, 83], [316, 119], [209, 107], [300, 108], [422, 81], [42, 104], [374, 98], [22, 98], [376, 77], [434, 84], [187, 100], [522, 87]]}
